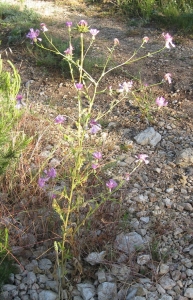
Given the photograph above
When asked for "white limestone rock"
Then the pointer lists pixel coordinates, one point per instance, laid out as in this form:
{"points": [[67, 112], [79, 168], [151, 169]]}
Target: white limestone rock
{"points": [[148, 136]]}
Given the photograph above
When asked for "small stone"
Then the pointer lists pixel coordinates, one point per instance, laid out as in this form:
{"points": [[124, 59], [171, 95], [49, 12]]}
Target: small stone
{"points": [[52, 285], [188, 207], [107, 291], [31, 278], [170, 190], [167, 283], [160, 289], [167, 202], [128, 242], [187, 262], [143, 259], [86, 290], [54, 163], [45, 264], [189, 272], [185, 157], [33, 295], [148, 136], [95, 258], [166, 297], [134, 223], [189, 293], [163, 269], [8, 287], [176, 275], [122, 272], [47, 295], [42, 278], [101, 276], [144, 219], [178, 231]]}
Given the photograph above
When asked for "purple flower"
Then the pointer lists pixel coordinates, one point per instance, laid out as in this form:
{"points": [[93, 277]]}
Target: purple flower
{"points": [[79, 86], [69, 24], [168, 38], [125, 87], [82, 26], [160, 101], [116, 42], [83, 23], [19, 97], [93, 122], [43, 27], [95, 127], [19, 103], [111, 184], [42, 181], [69, 50], [33, 35], [94, 32], [142, 158], [51, 173], [94, 166], [60, 119], [97, 155], [168, 78]]}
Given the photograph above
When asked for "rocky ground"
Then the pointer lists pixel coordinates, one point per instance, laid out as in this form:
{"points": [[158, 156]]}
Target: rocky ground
{"points": [[152, 251]]}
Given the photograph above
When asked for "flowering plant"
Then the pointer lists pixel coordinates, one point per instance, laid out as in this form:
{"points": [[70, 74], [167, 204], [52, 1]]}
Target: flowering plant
{"points": [[87, 123]]}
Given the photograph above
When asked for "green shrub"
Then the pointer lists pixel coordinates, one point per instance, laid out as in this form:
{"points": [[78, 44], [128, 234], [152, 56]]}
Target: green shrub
{"points": [[12, 141]]}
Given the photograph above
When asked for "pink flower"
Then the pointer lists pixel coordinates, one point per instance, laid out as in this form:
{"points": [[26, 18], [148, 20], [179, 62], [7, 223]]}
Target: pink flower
{"points": [[51, 173], [33, 35], [43, 27], [145, 39], [94, 32], [116, 42], [161, 101], [83, 23], [79, 86], [19, 97], [142, 158], [94, 166], [82, 26], [97, 155], [69, 50], [42, 182], [95, 127], [111, 184], [125, 87], [19, 103], [168, 38], [60, 119], [69, 24], [168, 78]]}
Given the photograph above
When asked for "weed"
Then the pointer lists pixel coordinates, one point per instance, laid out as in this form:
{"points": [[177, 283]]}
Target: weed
{"points": [[85, 192], [154, 249], [11, 142], [6, 261]]}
